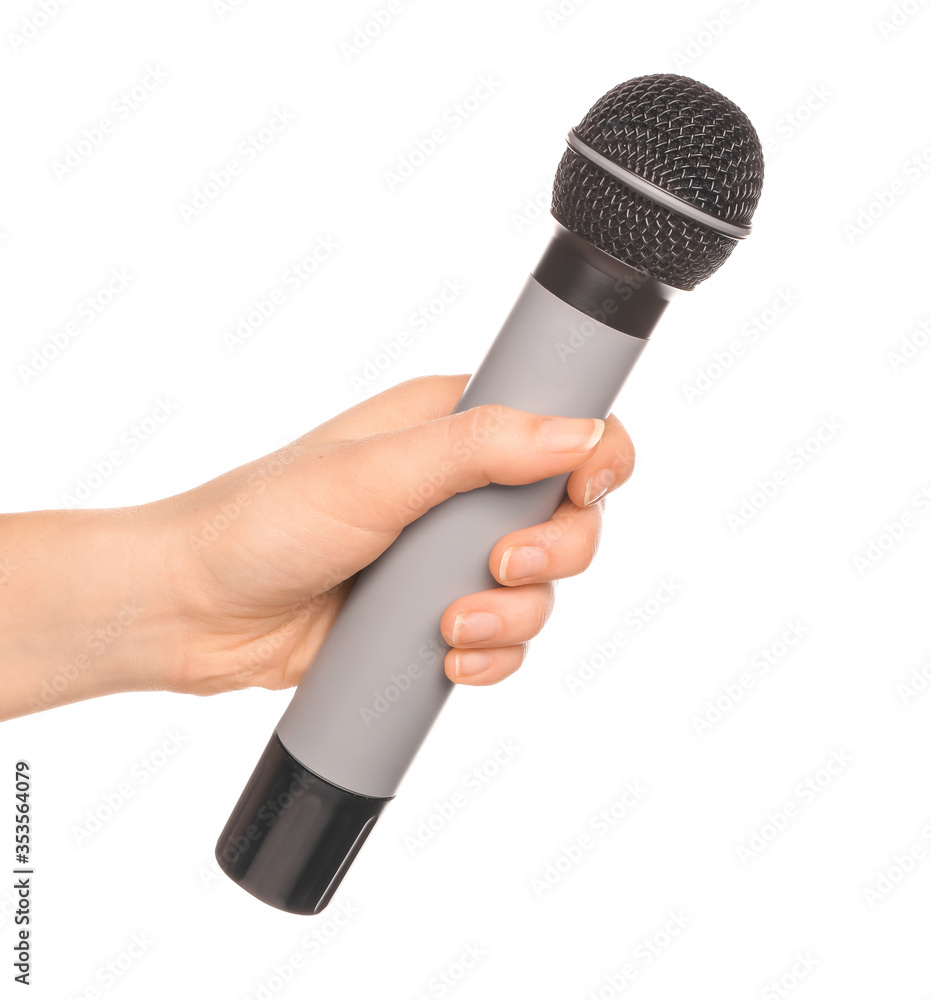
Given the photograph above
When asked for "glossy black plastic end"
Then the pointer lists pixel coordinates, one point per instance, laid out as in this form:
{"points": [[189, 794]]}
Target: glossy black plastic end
{"points": [[293, 835]]}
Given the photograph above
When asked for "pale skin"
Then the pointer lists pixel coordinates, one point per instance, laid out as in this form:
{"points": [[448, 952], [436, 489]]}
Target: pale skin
{"points": [[235, 583]]}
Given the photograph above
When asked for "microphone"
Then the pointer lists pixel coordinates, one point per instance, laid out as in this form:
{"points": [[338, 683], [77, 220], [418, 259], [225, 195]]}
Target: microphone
{"points": [[658, 183]]}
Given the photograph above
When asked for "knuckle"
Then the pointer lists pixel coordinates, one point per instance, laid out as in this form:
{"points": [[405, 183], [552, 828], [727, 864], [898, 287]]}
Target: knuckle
{"points": [[489, 418], [474, 428], [626, 459]]}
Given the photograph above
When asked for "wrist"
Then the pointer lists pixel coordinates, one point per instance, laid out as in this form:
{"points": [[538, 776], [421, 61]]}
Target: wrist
{"points": [[89, 606]]}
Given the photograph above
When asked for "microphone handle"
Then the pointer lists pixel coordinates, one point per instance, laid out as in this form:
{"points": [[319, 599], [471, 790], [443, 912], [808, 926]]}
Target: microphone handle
{"points": [[377, 683]]}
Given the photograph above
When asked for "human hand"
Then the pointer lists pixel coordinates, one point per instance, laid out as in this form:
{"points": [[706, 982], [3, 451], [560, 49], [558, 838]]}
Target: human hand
{"points": [[237, 581], [267, 573]]}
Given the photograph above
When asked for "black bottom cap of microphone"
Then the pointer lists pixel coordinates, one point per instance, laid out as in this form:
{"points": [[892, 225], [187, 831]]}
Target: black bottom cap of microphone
{"points": [[292, 835]]}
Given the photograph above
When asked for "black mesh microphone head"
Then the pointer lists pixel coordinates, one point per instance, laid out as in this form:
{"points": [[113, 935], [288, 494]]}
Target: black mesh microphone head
{"points": [[683, 137]]}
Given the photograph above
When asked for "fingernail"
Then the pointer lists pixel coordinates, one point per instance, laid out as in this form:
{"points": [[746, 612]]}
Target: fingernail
{"points": [[571, 433], [475, 626], [598, 485], [521, 561], [471, 662]]}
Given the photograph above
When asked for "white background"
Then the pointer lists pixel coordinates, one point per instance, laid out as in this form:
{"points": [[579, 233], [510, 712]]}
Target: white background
{"points": [[841, 233]]}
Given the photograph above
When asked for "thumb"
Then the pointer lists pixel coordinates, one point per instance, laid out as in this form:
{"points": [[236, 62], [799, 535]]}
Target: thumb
{"points": [[382, 483]]}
